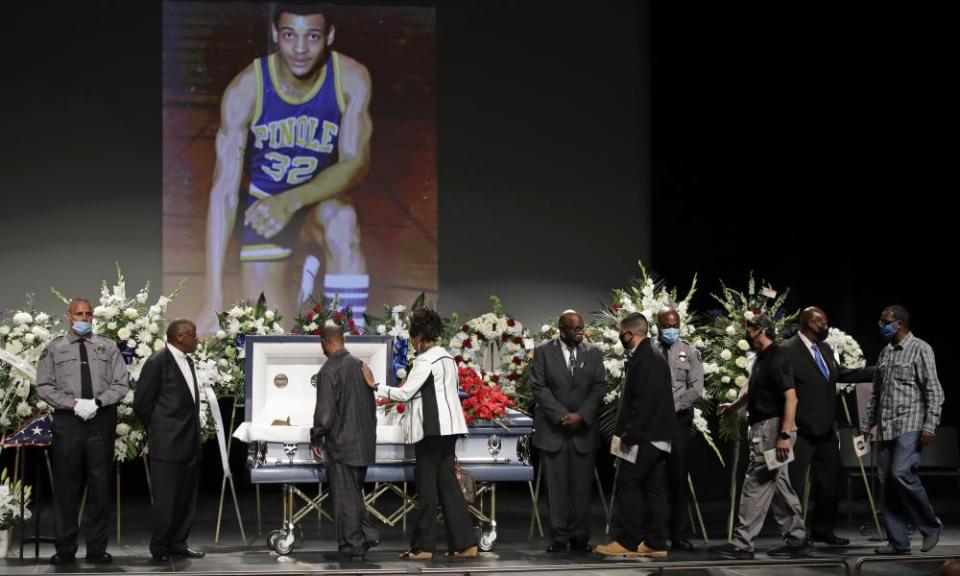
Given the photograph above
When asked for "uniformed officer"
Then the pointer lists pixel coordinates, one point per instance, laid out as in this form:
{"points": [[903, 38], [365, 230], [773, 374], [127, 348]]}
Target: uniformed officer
{"points": [[83, 377], [686, 368]]}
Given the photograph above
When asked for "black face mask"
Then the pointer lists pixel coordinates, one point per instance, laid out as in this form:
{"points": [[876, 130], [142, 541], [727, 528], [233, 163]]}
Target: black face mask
{"points": [[625, 341], [750, 339], [822, 335]]}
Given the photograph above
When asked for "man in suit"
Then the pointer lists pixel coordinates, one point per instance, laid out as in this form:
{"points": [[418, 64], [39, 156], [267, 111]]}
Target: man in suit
{"points": [[815, 374], [344, 436], [166, 399], [646, 419], [568, 382], [686, 368]]}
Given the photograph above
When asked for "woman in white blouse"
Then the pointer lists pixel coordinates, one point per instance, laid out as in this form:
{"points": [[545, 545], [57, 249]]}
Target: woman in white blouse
{"points": [[432, 421]]}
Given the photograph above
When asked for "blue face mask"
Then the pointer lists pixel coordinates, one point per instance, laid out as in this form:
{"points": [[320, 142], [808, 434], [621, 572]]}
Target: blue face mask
{"points": [[670, 336], [82, 328], [888, 331]]}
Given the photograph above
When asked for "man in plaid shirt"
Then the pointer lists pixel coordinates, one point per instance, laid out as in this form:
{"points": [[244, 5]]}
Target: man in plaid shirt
{"points": [[906, 410]]}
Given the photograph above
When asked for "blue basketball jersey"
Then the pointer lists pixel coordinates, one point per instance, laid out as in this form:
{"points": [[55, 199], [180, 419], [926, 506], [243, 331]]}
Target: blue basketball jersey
{"points": [[291, 140]]}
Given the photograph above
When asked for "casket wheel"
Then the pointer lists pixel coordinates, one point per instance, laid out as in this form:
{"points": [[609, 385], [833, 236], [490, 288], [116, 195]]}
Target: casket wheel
{"points": [[487, 539], [272, 537], [284, 543]]}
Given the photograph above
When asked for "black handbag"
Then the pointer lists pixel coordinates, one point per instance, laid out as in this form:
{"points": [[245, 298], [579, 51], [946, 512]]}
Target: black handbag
{"points": [[468, 486]]}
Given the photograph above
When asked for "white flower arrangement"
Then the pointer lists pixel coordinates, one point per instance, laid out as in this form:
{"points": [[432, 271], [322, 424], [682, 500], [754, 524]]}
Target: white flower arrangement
{"points": [[727, 348], [496, 333], [23, 338], [848, 354], [10, 501]]}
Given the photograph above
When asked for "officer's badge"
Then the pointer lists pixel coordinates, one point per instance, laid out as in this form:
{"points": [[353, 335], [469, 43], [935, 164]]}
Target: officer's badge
{"points": [[101, 349]]}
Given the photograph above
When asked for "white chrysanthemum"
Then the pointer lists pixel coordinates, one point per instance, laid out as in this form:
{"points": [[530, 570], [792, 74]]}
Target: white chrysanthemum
{"points": [[740, 381], [710, 368], [29, 337], [14, 347], [143, 350], [748, 315], [153, 328], [732, 394], [42, 317], [158, 344], [269, 315], [24, 410], [123, 429], [618, 348], [725, 379], [401, 373], [145, 336], [381, 329], [741, 362], [611, 396], [743, 345], [40, 332], [131, 313], [124, 333], [726, 355], [22, 318], [4, 330]]}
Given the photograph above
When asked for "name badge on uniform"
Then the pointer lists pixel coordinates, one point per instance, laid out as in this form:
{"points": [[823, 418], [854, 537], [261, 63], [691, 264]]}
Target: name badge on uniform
{"points": [[682, 356]]}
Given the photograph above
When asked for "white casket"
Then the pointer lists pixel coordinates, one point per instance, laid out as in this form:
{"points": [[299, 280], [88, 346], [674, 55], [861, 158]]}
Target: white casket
{"points": [[281, 386]]}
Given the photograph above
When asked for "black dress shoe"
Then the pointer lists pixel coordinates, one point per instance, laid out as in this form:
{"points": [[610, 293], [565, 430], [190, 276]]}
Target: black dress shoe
{"points": [[580, 546], [189, 552], [830, 539], [791, 548], [889, 550], [162, 557], [101, 558], [61, 559], [556, 547], [681, 545], [730, 550]]}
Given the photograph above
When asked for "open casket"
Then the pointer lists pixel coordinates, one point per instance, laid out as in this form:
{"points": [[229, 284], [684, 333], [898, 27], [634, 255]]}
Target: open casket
{"points": [[280, 387]]}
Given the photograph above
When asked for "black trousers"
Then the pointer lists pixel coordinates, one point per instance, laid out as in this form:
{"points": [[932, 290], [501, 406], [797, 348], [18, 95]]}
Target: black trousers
{"points": [[569, 475], [174, 485], [437, 485], [822, 456], [641, 500], [355, 531], [82, 455], [677, 477]]}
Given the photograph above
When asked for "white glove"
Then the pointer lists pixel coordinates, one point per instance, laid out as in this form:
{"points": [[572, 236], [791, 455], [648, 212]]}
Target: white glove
{"points": [[85, 408]]}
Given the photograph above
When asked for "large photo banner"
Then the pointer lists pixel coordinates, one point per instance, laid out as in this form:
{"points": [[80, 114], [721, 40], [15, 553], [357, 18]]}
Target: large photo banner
{"points": [[299, 155]]}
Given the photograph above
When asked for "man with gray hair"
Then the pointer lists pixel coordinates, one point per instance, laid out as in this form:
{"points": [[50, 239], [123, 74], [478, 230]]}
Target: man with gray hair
{"points": [[771, 399]]}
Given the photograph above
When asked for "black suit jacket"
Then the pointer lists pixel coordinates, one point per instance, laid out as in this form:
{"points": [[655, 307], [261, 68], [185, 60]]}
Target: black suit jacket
{"points": [[557, 393], [816, 395], [647, 412], [162, 401]]}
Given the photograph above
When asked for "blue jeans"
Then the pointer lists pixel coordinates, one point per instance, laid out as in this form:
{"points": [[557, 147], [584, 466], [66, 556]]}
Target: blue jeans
{"points": [[904, 497]]}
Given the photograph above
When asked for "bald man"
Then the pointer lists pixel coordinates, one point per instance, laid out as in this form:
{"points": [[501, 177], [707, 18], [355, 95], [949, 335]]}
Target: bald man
{"points": [[568, 382], [815, 374]]}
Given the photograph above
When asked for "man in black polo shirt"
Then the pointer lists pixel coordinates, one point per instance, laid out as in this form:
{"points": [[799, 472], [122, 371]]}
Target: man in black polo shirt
{"points": [[771, 401]]}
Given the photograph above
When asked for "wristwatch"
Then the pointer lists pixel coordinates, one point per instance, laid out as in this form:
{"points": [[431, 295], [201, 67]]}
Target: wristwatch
{"points": [[783, 436]]}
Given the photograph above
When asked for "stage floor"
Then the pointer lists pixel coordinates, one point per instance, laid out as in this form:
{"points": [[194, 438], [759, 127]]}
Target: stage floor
{"points": [[513, 553]]}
